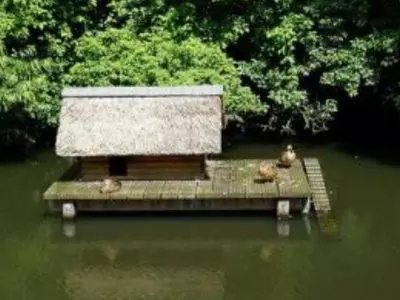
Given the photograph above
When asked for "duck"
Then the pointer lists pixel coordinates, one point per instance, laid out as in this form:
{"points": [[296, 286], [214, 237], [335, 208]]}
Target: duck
{"points": [[287, 157], [110, 185], [268, 172]]}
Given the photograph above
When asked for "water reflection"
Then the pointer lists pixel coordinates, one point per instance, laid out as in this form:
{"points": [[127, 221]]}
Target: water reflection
{"points": [[283, 228], [307, 224], [69, 229], [168, 258]]}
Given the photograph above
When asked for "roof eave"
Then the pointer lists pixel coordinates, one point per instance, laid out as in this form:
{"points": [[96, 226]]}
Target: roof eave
{"points": [[123, 91]]}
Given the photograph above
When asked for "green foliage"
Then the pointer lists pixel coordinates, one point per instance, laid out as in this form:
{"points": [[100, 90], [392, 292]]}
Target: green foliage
{"points": [[27, 99], [306, 51], [118, 57], [301, 59], [212, 21], [34, 37]]}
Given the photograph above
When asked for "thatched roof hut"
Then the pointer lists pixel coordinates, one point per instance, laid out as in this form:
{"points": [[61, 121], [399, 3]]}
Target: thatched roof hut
{"points": [[98, 124], [116, 121]]}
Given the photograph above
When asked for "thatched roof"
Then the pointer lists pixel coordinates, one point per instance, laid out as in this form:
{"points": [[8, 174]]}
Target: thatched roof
{"points": [[140, 121]]}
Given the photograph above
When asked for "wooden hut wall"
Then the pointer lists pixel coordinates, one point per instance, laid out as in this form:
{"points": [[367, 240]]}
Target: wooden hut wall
{"points": [[166, 167], [94, 168], [147, 167]]}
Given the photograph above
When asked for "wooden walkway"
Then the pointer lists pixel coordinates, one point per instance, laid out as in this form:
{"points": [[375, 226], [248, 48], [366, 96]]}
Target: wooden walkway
{"points": [[231, 185], [322, 207], [228, 179]]}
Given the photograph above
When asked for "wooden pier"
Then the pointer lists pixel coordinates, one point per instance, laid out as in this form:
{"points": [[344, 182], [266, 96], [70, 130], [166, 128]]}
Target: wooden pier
{"points": [[232, 185], [320, 198]]}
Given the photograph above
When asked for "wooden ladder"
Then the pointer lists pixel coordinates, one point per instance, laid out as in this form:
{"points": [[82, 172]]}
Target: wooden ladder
{"points": [[326, 220]]}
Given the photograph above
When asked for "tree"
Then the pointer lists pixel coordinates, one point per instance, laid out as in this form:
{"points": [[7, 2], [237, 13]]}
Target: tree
{"points": [[304, 61], [119, 57]]}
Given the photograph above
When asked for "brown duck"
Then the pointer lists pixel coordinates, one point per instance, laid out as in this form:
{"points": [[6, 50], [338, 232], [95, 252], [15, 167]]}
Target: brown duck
{"points": [[287, 157], [267, 172], [110, 185]]}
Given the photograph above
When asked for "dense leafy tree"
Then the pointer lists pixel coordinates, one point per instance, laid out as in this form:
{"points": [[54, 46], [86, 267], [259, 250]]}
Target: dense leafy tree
{"points": [[118, 57], [303, 60]]}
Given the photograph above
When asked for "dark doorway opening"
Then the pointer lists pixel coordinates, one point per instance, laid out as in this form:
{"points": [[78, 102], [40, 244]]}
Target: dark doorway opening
{"points": [[117, 166]]}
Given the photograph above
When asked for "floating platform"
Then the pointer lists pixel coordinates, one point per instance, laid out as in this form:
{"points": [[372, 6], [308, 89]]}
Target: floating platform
{"points": [[232, 185]]}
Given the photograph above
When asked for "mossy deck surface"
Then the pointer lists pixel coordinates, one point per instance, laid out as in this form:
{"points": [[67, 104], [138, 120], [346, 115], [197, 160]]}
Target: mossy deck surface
{"points": [[229, 179]]}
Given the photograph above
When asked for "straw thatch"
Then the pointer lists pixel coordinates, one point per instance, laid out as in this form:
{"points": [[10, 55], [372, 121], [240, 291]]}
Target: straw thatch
{"points": [[140, 121], [200, 90]]}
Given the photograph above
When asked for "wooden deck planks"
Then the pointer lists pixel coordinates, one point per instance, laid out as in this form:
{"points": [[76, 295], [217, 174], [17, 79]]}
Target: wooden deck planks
{"points": [[255, 189], [187, 190], [154, 190], [229, 179], [62, 190], [171, 190], [238, 177], [204, 189], [292, 182], [136, 189], [221, 180]]}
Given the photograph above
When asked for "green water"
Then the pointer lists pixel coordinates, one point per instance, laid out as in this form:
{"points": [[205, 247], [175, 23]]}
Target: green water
{"points": [[204, 257]]}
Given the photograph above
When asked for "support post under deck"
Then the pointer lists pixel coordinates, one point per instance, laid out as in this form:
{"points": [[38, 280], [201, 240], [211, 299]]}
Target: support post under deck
{"points": [[283, 209]]}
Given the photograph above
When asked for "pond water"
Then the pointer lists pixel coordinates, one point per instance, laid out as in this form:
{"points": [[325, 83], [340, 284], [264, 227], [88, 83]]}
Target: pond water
{"points": [[205, 257]]}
